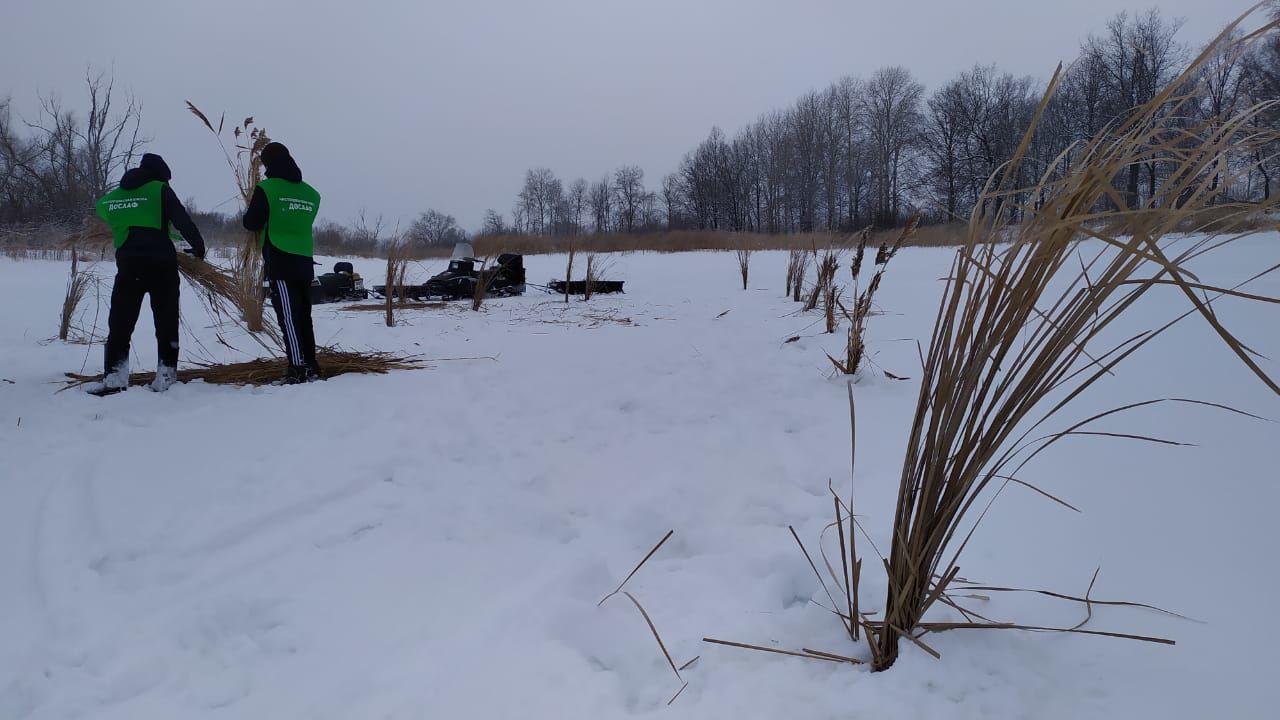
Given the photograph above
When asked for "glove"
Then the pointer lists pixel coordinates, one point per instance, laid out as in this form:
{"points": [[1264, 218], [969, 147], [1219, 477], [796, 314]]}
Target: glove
{"points": [[197, 253]]}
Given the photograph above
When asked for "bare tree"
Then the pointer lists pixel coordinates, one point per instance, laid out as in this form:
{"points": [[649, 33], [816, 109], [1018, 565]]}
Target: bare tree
{"points": [[600, 198], [672, 199], [62, 161], [435, 229], [577, 198], [538, 197], [493, 224], [1138, 57], [109, 138], [628, 189], [943, 143], [366, 232], [891, 106]]}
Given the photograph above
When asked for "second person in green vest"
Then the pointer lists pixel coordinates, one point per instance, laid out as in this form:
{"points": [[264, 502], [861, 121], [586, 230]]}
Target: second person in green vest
{"points": [[283, 212]]}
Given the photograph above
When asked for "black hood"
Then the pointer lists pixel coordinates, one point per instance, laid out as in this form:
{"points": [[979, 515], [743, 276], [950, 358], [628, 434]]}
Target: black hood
{"points": [[151, 168], [278, 163]]}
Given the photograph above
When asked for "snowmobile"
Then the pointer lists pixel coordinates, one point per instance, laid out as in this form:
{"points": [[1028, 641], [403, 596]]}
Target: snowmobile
{"points": [[504, 278], [344, 284]]}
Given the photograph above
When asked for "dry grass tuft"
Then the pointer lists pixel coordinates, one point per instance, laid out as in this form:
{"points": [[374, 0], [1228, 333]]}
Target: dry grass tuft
{"points": [[268, 371]]}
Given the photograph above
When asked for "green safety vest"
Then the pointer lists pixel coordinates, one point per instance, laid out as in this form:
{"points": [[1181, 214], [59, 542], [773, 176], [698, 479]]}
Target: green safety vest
{"points": [[293, 207], [123, 209]]}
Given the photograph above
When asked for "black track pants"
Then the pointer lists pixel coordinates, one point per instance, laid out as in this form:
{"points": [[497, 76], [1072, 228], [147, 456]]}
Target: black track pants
{"points": [[135, 277], [292, 301]]}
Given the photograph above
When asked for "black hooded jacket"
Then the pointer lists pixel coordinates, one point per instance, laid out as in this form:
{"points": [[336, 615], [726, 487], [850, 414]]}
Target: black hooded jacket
{"points": [[155, 242], [277, 264]]}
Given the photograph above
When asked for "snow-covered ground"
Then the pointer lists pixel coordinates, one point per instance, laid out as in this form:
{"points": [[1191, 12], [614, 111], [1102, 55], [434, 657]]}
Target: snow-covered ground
{"points": [[433, 543]]}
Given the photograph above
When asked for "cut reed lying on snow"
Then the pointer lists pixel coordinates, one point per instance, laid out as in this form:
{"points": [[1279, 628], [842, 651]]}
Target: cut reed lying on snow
{"points": [[267, 371]]}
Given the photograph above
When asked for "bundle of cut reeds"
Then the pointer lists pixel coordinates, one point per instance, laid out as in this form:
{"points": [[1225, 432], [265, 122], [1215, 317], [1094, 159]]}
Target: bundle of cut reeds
{"points": [[268, 371], [221, 292]]}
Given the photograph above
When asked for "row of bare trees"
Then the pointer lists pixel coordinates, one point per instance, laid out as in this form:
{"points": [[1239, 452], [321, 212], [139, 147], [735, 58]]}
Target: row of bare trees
{"points": [[877, 150], [864, 151], [54, 165], [618, 202], [880, 149]]}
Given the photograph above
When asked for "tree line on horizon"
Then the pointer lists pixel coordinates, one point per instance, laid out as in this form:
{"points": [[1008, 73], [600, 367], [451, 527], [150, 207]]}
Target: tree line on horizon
{"points": [[865, 151]]}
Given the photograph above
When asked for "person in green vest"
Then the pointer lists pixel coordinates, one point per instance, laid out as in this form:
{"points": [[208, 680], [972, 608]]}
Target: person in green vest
{"points": [[283, 211], [140, 212]]}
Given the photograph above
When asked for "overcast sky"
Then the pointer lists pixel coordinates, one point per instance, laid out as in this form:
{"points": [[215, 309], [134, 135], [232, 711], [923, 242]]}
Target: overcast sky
{"points": [[395, 107]]}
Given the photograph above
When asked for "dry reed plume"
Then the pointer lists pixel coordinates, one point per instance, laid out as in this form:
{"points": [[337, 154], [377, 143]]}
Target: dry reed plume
{"points": [[827, 265], [855, 345]]}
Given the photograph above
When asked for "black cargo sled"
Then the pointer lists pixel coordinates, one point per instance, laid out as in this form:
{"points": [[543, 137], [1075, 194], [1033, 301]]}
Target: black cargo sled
{"points": [[579, 287], [502, 279], [344, 284]]}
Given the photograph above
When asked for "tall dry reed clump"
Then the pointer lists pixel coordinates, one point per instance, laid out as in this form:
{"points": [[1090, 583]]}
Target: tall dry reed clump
{"points": [[1013, 345], [246, 166], [77, 285], [397, 268], [827, 265], [797, 268], [568, 268], [591, 276], [484, 276]]}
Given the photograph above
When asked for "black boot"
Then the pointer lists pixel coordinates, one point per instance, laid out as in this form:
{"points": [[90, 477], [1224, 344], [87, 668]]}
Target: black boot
{"points": [[296, 375], [313, 371]]}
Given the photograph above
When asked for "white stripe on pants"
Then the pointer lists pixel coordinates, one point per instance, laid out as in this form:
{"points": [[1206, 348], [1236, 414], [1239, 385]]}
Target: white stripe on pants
{"points": [[290, 332]]}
